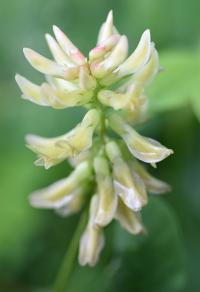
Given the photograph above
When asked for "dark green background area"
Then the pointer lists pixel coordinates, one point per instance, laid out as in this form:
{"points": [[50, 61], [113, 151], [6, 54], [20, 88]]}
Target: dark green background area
{"points": [[33, 242]]}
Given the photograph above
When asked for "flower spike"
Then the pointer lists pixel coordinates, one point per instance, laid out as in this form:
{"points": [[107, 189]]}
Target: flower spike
{"points": [[107, 175]]}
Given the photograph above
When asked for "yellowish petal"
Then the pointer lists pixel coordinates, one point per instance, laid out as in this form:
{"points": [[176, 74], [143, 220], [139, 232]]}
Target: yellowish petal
{"points": [[128, 187], [113, 99], [129, 219], [138, 58], [107, 197], [152, 184], [143, 148]]}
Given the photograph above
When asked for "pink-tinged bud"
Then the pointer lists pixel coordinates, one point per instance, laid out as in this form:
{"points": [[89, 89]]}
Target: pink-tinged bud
{"points": [[100, 51], [72, 51]]}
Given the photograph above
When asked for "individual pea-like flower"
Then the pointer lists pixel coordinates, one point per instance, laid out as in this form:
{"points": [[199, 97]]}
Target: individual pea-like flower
{"points": [[110, 84]]}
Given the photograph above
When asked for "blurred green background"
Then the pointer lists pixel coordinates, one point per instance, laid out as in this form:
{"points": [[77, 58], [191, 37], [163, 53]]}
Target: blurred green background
{"points": [[33, 242]]}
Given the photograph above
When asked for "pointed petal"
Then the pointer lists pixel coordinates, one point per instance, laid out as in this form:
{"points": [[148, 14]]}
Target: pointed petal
{"points": [[58, 54], [138, 58], [106, 29], [73, 52], [30, 90], [129, 219], [152, 184]]}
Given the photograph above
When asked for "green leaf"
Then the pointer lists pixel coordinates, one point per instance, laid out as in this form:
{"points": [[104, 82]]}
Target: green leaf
{"points": [[153, 262], [178, 84]]}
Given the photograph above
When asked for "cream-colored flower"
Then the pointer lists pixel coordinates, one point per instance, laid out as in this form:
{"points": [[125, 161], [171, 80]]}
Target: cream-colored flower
{"points": [[63, 192], [143, 148], [52, 151], [128, 187]]}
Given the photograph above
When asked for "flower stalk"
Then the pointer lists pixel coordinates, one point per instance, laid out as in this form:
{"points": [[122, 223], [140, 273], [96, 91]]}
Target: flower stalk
{"points": [[67, 266]]}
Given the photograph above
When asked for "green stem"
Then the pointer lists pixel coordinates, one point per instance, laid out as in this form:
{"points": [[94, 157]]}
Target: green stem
{"points": [[62, 279]]}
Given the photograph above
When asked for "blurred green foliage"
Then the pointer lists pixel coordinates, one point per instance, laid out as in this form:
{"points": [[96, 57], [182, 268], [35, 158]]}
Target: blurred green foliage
{"points": [[33, 242]]}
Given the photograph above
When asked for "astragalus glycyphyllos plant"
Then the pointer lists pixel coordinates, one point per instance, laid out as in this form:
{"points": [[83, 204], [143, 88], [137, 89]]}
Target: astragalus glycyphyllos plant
{"points": [[107, 173]]}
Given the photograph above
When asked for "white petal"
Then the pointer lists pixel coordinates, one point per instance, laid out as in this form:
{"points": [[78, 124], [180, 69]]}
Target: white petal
{"points": [[30, 90], [58, 54]]}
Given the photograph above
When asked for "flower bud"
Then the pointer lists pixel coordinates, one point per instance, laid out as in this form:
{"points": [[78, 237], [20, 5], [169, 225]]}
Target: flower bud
{"points": [[116, 57], [92, 240], [100, 51], [107, 197]]}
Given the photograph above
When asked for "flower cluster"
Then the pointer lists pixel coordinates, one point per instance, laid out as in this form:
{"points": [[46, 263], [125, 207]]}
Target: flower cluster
{"points": [[110, 85]]}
